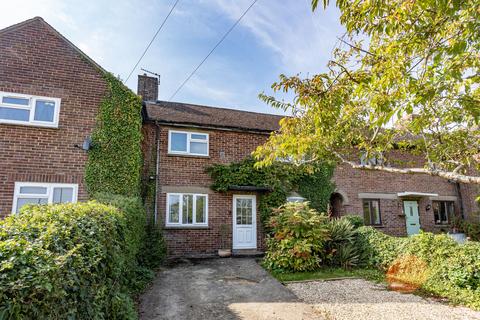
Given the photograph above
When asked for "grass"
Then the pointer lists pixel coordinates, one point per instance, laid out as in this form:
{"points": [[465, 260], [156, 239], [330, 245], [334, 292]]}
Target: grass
{"points": [[330, 273]]}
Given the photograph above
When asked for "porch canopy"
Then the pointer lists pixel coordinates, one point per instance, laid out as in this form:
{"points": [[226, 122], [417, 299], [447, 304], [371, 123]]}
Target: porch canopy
{"points": [[411, 194], [249, 188]]}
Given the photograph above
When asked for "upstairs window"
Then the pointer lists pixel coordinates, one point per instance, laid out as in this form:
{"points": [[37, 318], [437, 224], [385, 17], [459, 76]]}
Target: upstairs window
{"points": [[43, 193], [443, 211], [189, 143], [30, 110], [371, 212]]}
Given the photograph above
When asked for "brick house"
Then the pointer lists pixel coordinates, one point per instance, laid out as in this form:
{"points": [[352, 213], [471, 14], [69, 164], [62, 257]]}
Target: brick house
{"points": [[181, 140], [50, 92]]}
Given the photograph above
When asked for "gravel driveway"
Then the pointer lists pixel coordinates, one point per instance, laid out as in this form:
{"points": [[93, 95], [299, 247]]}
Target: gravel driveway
{"points": [[359, 299]]}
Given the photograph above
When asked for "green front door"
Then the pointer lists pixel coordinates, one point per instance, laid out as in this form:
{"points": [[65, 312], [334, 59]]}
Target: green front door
{"points": [[411, 217]]}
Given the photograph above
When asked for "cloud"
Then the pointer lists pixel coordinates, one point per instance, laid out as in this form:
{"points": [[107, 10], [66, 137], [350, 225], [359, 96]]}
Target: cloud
{"points": [[302, 40]]}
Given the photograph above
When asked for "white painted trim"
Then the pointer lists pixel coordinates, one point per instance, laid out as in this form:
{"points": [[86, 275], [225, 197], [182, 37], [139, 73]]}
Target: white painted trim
{"points": [[49, 195], [444, 198], [180, 223], [254, 218], [416, 194], [189, 140], [31, 107], [372, 195]]}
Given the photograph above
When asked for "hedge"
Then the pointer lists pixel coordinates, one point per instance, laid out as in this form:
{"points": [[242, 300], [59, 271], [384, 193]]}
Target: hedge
{"points": [[72, 261], [454, 269]]}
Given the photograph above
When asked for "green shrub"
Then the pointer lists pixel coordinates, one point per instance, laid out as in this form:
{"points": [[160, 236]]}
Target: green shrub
{"points": [[454, 269], [61, 261], [340, 248], [354, 219], [154, 250], [299, 234]]}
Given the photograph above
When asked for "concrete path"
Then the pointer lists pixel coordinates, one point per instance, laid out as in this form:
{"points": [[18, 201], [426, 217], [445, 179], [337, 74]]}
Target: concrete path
{"points": [[234, 288]]}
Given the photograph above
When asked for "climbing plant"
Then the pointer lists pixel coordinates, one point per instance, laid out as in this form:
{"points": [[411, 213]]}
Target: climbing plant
{"points": [[312, 181], [115, 160]]}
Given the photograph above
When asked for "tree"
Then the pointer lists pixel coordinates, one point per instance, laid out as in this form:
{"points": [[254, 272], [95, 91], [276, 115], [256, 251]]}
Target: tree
{"points": [[405, 76]]}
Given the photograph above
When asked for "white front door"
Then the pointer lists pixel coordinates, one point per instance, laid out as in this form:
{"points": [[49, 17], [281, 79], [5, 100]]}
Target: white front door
{"points": [[411, 217], [244, 222]]}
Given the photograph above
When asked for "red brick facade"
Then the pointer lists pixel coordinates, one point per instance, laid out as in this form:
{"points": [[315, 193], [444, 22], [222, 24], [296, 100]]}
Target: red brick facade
{"points": [[36, 60], [178, 173]]}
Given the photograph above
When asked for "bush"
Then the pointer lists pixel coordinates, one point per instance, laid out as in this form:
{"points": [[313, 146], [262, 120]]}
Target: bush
{"points": [[453, 269], [61, 261], [355, 220], [299, 234], [340, 248]]}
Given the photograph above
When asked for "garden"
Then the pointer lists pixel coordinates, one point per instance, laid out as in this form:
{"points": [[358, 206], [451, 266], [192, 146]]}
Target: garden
{"points": [[305, 244]]}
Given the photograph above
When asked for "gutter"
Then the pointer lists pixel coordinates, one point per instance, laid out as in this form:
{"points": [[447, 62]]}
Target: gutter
{"points": [[193, 125]]}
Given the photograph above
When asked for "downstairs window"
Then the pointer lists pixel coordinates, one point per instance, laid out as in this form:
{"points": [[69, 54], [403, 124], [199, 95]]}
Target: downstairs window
{"points": [[371, 212], [443, 211], [187, 209], [42, 193]]}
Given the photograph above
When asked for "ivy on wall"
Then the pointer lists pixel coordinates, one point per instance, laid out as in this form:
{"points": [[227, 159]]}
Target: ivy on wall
{"points": [[312, 181], [115, 159]]}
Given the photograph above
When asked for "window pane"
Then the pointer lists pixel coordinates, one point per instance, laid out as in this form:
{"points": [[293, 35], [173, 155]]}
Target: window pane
{"points": [[23, 201], [366, 212], [174, 208], [436, 211], [62, 195], [187, 209], [199, 136], [201, 209], [33, 190], [244, 211], [179, 142], [44, 110], [375, 212], [14, 114], [198, 148], [19, 101]]}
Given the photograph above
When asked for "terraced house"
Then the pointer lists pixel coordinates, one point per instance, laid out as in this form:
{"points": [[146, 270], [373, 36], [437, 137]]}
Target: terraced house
{"points": [[50, 93]]}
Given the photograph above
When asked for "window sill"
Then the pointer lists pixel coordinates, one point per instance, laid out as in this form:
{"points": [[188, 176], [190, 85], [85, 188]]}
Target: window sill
{"points": [[378, 226], [442, 225], [186, 227], [187, 155], [28, 124]]}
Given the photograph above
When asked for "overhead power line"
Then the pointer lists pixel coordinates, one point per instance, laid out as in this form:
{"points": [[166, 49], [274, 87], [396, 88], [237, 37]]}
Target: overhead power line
{"points": [[211, 51], [153, 39]]}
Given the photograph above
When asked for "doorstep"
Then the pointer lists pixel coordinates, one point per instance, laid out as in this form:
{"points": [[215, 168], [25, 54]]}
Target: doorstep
{"points": [[247, 253]]}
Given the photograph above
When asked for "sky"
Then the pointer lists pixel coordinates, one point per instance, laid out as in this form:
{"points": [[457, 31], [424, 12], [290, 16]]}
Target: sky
{"points": [[275, 37]]}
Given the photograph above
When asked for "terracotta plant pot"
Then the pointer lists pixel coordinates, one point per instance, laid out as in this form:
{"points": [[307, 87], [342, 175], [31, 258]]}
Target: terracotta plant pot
{"points": [[224, 253]]}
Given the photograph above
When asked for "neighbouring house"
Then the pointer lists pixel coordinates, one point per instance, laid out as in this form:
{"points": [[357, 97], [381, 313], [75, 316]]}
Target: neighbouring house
{"points": [[50, 92], [181, 140]]}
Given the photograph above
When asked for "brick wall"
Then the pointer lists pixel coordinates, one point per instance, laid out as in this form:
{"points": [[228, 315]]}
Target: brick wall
{"points": [[186, 172], [34, 60], [350, 182]]}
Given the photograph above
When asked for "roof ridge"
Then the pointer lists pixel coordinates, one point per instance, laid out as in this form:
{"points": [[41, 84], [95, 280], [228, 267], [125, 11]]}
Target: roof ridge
{"points": [[214, 107], [58, 34]]}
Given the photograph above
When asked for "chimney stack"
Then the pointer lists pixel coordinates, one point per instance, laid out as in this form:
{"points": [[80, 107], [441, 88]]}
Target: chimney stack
{"points": [[147, 87]]}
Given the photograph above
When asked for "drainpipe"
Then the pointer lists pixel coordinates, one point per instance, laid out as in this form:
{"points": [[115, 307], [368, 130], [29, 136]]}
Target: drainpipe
{"points": [[157, 170], [459, 194]]}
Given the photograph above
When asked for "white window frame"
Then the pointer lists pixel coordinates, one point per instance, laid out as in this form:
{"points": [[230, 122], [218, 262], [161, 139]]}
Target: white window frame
{"points": [[180, 223], [189, 139], [31, 107], [49, 195]]}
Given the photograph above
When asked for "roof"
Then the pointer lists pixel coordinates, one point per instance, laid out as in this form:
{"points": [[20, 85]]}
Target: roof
{"points": [[58, 34], [185, 114]]}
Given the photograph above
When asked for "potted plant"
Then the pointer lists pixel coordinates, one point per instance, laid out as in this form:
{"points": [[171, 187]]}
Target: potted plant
{"points": [[224, 250]]}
